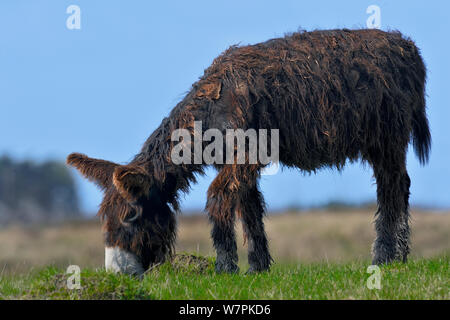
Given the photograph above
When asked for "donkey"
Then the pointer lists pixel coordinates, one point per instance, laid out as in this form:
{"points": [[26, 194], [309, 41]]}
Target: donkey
{"points": [[335, 96]]}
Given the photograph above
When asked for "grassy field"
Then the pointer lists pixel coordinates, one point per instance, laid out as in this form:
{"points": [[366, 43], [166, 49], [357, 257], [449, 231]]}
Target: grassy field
{"points": [[195, 279], [318, 255]]}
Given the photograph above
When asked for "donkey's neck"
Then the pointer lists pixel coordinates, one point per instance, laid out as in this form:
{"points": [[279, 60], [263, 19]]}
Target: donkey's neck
{"points": [[155, 155]]}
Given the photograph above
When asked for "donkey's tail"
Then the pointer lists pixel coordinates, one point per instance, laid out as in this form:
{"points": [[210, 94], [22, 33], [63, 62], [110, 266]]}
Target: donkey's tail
{"points": [[421, 134]]}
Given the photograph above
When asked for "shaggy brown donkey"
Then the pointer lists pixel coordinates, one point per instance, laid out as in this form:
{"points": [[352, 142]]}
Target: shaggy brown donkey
{"points": [[334, 95]]}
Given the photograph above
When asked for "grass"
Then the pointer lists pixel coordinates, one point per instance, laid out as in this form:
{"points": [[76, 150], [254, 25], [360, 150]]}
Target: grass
{"points": [[319, 254], [193, 277]]}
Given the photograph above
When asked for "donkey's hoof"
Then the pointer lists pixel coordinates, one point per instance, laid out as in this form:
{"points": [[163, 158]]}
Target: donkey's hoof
{"points": [[227, 268], [383, 260], [253, 270]]}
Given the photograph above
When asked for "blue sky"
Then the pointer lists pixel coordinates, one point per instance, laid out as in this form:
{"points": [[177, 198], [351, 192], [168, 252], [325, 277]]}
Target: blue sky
{"points": [[103, 89]]}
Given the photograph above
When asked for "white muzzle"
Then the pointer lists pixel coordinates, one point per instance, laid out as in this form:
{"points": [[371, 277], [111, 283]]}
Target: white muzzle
{"points": [[121, 261]]}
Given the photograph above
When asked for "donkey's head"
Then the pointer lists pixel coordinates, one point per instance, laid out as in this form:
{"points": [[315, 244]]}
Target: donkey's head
{"points": [[138, 224]]}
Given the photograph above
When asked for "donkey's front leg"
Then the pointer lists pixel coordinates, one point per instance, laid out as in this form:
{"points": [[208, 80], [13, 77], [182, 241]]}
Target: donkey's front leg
{"points": [[225, 244], [252, 212], [220, 207]]}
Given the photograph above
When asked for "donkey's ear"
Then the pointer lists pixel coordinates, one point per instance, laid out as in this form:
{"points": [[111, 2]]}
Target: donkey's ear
{"points": [[96, 170], [132, 182]]}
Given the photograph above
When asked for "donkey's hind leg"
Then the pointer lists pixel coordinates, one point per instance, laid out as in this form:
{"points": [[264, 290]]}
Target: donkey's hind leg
{"points": [[392, 217]]}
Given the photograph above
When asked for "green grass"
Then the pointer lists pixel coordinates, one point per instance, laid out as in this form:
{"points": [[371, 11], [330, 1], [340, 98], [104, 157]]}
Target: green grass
{"points": [[196, 279]]}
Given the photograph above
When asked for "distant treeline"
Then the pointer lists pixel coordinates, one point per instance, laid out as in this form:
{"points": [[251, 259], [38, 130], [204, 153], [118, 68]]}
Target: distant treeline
{"points": [[36, 192]]}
